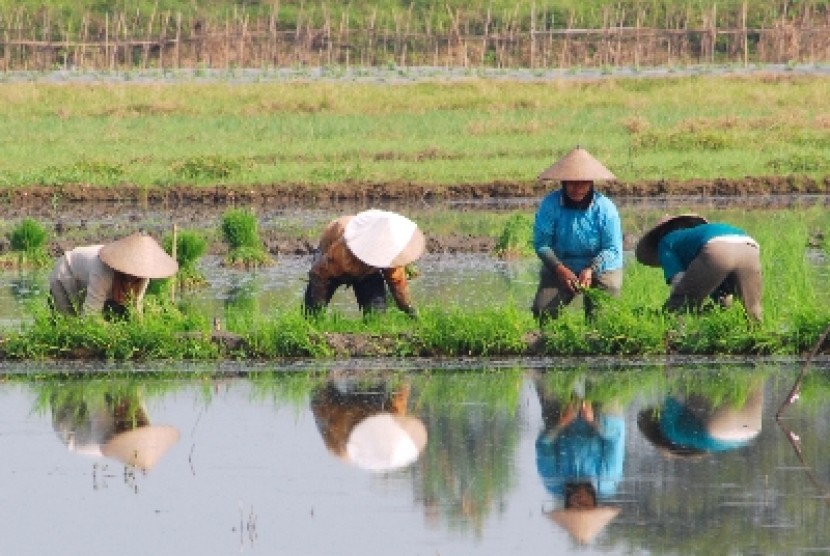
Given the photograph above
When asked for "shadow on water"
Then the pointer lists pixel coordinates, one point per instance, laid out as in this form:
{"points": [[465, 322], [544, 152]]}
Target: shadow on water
{"points": [[532, 459]]}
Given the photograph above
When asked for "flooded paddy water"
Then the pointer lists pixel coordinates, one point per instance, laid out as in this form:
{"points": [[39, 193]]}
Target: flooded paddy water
{"points": [[385, 457], [421, 457]]}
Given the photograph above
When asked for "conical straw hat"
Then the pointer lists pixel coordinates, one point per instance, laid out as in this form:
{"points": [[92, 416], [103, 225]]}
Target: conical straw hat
{"points": [[577, 165], [584, 524], [138, 255], [385, 441], [141, 447], [384, 239], [646, 249]]}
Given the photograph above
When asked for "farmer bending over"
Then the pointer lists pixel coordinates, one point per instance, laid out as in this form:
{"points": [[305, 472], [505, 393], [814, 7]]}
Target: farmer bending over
{"points": [[703, 260], [367, 251], [99, 279]]}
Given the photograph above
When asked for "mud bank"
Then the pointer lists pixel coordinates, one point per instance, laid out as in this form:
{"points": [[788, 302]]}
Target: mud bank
{"points": [[333, 195]]}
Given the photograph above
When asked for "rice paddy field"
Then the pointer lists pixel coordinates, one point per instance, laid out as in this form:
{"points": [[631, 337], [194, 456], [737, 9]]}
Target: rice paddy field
{"points": [[224, 421]]}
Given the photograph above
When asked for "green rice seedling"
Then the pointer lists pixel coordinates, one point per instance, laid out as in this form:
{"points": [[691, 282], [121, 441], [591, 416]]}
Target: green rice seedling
{"points": [[485, 332], [190, 247], [286, 335], [162, 332], [516, 239], [28, 241], [240, 231]]}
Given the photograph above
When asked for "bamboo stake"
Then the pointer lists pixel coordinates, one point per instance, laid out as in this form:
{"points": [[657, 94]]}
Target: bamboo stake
{"points": [[745, 34]]}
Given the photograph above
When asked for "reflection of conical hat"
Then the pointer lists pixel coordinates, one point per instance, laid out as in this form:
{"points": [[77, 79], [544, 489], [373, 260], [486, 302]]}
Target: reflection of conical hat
{"points": [[646, 249], [729, 423], [138, 255], [584, 524], [384, 239], [385, 441], [577, 165], [141, 447]]}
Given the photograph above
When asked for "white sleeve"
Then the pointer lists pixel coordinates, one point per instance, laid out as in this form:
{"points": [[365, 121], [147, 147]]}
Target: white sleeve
{"points": [[98, 290]]}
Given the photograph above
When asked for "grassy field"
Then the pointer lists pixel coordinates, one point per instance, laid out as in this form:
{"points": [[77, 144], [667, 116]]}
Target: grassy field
{"points": [[435, 132]]}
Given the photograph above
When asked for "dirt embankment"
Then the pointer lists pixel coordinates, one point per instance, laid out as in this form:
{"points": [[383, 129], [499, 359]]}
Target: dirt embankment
{"points": [[322, 195]]}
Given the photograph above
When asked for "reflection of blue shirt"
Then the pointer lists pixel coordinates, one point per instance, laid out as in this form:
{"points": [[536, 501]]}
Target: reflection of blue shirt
{"points": [[681, 427], [676, 250], [581, 453], [580, 238]]}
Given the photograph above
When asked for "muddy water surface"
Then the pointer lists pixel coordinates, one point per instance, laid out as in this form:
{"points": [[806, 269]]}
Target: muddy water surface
{"points": [[255, 460]]}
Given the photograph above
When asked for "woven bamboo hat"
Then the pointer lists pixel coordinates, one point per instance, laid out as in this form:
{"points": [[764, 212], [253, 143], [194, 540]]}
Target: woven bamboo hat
{"points": [[577, 165], [138, 255], [141, 447], [646, 249], [384, 239], [584, 524]]}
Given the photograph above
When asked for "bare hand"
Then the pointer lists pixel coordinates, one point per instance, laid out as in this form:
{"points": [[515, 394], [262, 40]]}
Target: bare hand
{"points": [[567, 278], [585, 278]]}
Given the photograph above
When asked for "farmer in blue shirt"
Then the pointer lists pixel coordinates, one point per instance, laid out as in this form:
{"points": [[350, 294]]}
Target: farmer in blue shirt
{"points": [[577, 235], [579, 457], [703, 260]]}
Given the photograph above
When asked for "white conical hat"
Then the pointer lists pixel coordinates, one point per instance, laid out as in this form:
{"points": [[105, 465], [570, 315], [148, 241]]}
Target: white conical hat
{"points": [[384, 239], [584, 524], [138, 255], [577, 165], [141, 447], [385, 441]]}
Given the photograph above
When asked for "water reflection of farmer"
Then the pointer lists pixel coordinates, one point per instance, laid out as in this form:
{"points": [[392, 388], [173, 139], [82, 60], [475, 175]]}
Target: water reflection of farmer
{"points": [[114, 426], [367, 251], [368, 425], [579, 456], [577, 235], [701, 260], [105, 278], [692, 425]]}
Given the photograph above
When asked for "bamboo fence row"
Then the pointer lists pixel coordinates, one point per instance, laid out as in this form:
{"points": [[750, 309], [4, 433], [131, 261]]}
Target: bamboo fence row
{"points": [[166, 41]]}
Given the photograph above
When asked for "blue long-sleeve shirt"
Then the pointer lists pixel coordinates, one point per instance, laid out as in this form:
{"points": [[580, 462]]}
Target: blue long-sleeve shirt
{"points": [[676, 250], [583, 453], [580, 238]]}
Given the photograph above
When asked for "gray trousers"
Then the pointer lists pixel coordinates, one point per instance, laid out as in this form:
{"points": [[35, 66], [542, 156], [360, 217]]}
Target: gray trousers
{"points": [[738, 264], [552, 295]]}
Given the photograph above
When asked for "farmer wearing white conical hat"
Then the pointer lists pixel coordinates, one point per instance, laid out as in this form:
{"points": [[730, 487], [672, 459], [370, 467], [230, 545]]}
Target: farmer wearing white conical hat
{"points": [[368, 251], [704, 260], [369, 425], [577, 235], [88, 279]]}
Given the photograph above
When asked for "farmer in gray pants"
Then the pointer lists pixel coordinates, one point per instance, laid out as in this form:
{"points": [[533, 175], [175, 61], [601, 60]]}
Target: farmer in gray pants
{"points": [[703, 260]]}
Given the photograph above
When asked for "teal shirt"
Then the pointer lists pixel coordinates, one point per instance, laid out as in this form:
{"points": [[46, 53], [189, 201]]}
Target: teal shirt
{"points": [[677, 249]]}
